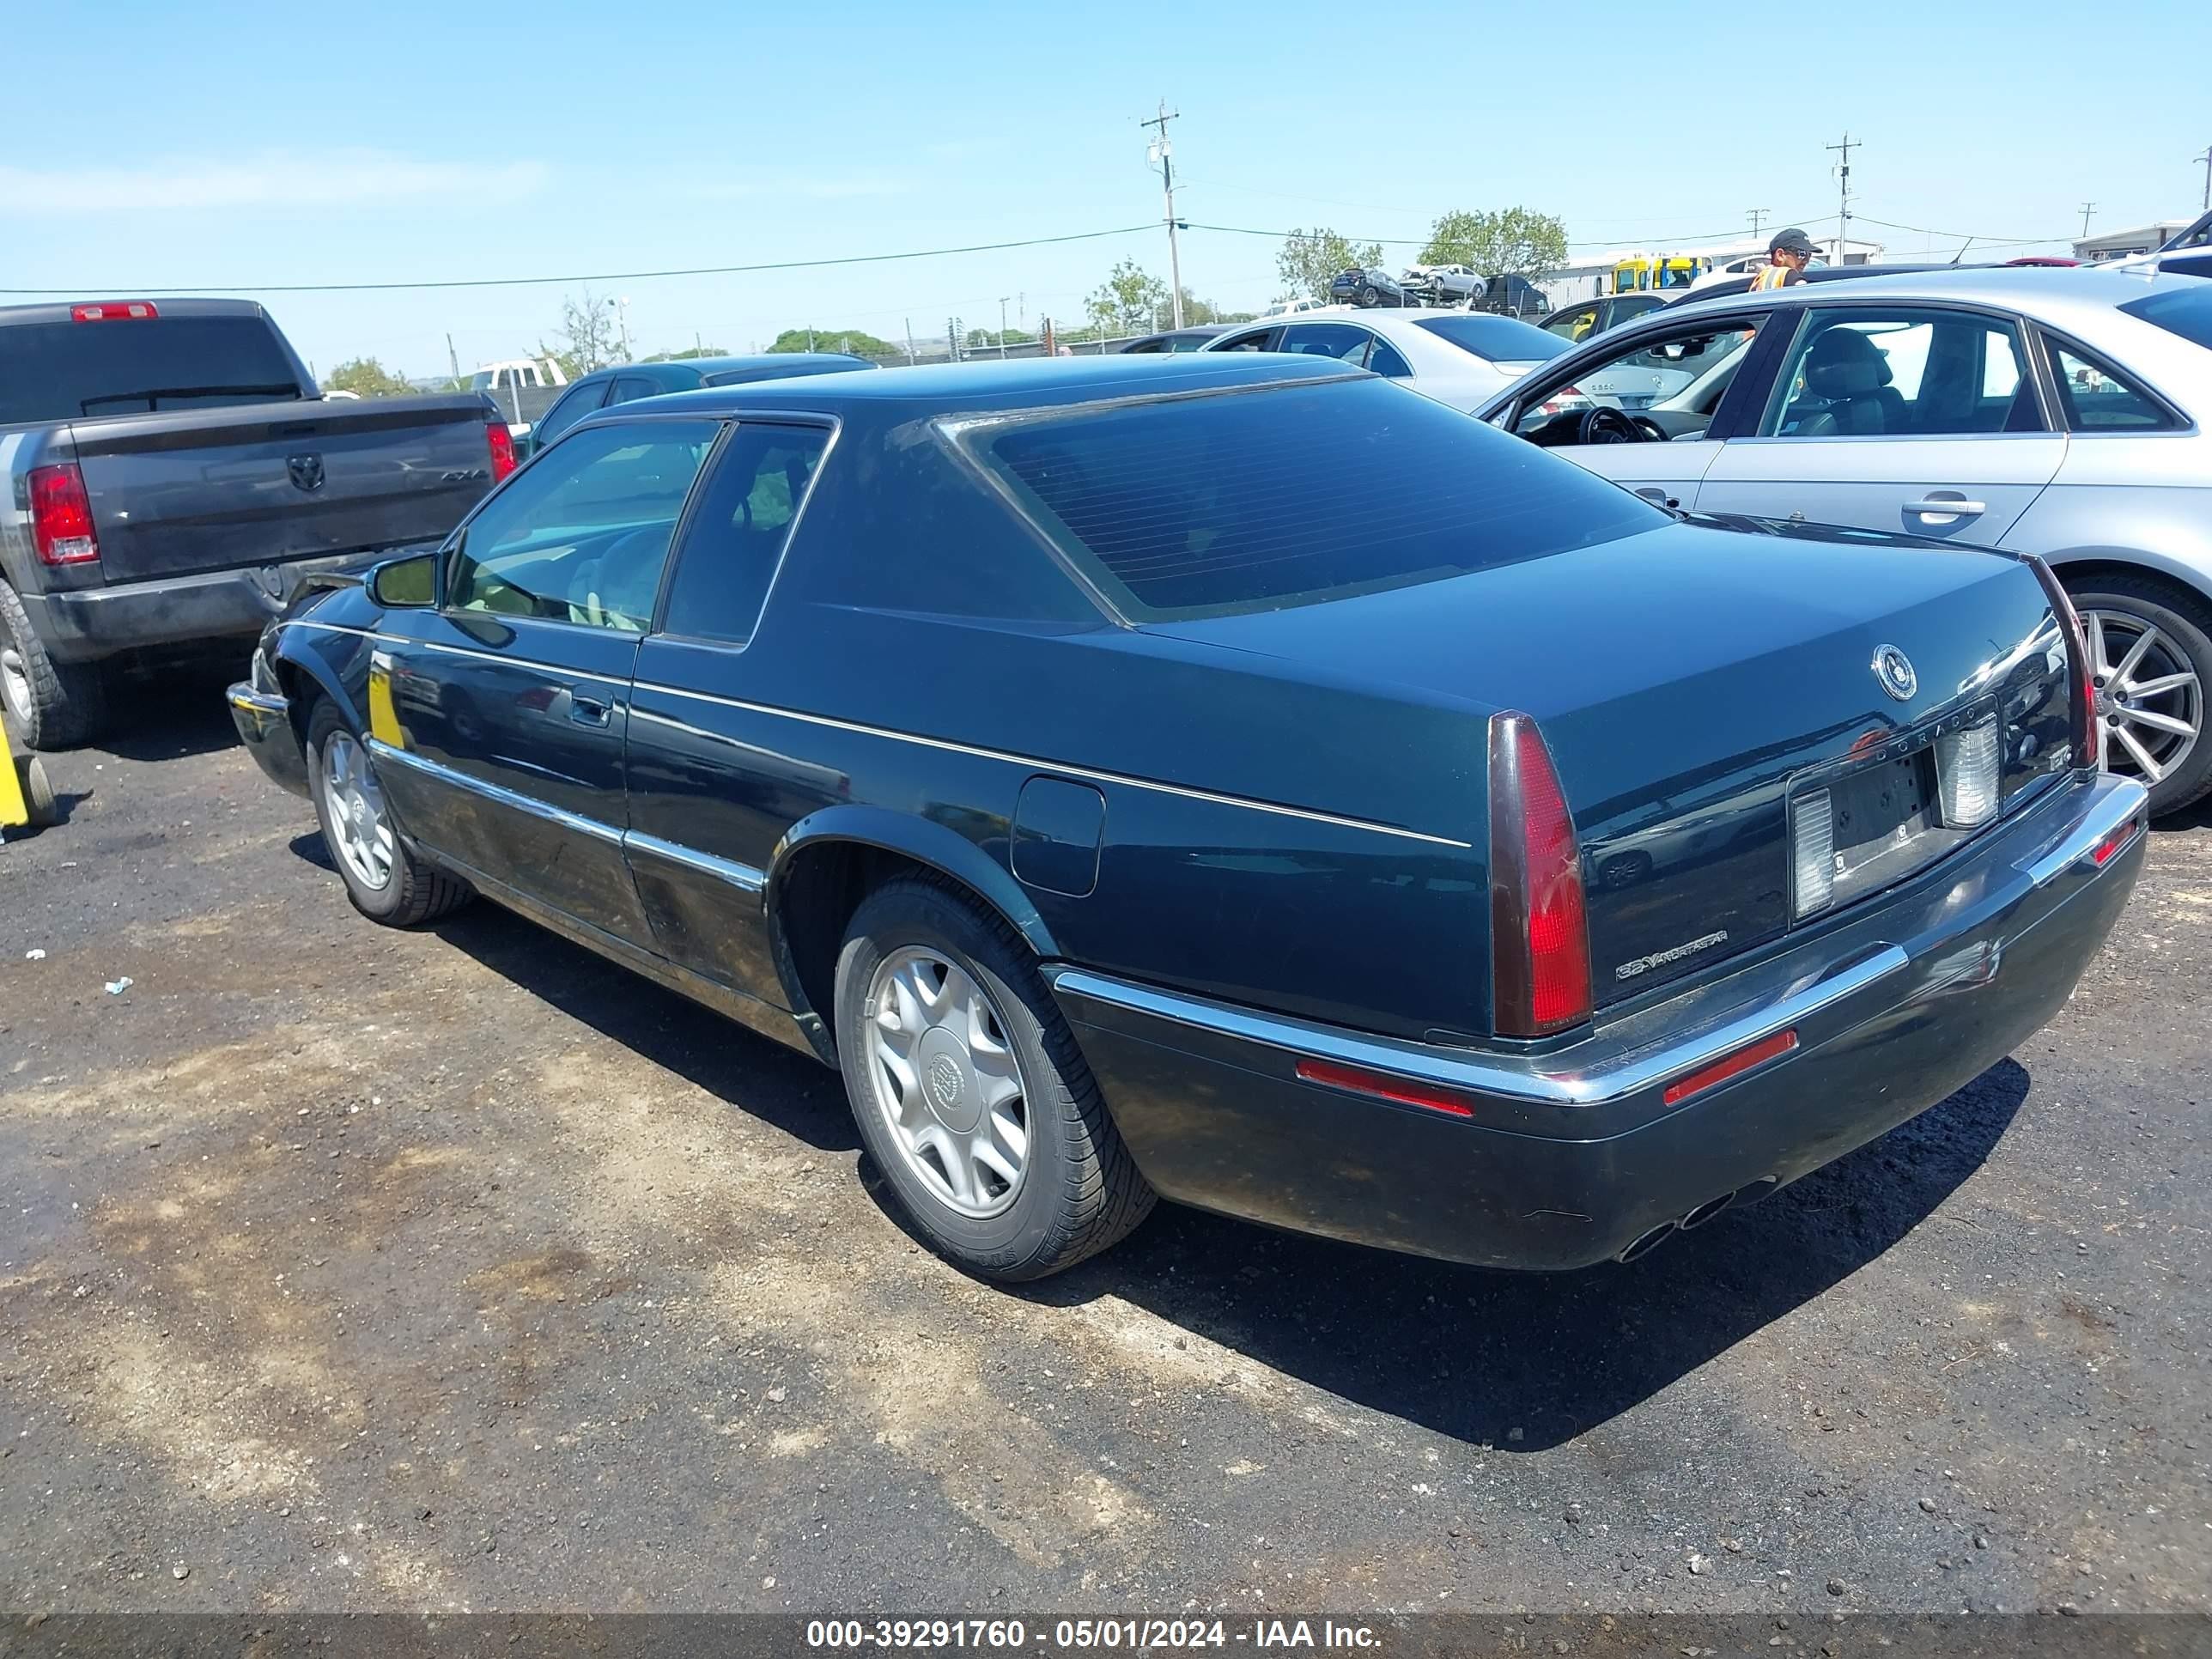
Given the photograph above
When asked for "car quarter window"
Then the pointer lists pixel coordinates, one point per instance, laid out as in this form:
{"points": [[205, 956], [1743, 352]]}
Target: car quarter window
{"points": [[736, 538], [1389, 362], [1255, 341], [629, 387], [1855, 373], [1341, 340], [2094, 397], [573, 404], [581, 535]]}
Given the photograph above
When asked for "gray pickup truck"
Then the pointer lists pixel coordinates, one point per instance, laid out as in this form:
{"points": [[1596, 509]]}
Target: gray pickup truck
{"points": [[170, 477]]}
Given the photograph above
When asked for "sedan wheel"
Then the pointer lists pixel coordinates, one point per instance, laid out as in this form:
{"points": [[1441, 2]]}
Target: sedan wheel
{"points": [[362, 827], [386, 878], [2149, 696]]}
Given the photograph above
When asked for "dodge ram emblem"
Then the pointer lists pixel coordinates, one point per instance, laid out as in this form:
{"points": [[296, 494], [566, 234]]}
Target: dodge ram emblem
{"points": [[1894, 670], [307, 470]]}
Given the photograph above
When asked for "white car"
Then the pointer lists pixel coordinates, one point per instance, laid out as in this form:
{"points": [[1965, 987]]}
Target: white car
{"points": [[1291, 308], [1463, 358]]}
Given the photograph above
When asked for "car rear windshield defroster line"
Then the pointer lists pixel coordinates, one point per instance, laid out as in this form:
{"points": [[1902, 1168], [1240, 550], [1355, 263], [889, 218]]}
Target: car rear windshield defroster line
{"points": [[1202, 506]]}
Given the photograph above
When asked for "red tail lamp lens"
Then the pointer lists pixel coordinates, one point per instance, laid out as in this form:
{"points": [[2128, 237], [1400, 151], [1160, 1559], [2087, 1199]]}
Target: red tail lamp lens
{"points": [[502, 449], [1540, 934]]}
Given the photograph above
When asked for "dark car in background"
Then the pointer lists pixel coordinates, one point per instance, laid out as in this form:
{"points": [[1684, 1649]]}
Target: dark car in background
{"points": [[170, 475], [1233, 779], [621, 383], [1579, 321], [1511, 295], [1371, 286], [1179, 339]]}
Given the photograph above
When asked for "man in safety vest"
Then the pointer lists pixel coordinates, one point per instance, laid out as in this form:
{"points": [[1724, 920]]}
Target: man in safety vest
{"points": [[1787, 256]]}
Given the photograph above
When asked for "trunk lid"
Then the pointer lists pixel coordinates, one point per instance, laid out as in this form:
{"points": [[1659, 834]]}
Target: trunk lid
{"points": [[262, 484], [1688, 681]]}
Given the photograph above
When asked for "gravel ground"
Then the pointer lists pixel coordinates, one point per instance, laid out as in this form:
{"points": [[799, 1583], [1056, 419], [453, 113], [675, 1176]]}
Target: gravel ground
{"points": [[348, 1269]]}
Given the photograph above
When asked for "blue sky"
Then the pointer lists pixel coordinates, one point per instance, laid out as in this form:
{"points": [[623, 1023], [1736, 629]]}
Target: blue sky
{"points": [[243, 145]]}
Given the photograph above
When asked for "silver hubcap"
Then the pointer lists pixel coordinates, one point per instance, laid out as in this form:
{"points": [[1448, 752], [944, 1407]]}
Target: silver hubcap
{"points": [[355, 806], [16, 684], [947, 1082], [2148, 697]]}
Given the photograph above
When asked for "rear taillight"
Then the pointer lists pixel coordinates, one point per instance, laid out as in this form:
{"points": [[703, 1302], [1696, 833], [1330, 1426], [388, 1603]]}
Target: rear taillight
{"points": [[1540, 938], [61, 515], [2087, 749], [114, 311], [502, 449]]}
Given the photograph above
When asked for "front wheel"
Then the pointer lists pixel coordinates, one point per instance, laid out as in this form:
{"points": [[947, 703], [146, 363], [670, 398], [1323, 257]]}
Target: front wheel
{"points": [[2150, 659], [385, 879], [970, 1090], [1371, 295]]}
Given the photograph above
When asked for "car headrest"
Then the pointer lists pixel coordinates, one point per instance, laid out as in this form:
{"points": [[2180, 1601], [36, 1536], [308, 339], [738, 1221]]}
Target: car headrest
{"points": [[1845, 363]]}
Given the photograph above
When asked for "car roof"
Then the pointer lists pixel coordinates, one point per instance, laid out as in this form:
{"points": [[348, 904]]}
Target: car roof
{"points": [[764, 363], [2050, 291], [994, 384]]}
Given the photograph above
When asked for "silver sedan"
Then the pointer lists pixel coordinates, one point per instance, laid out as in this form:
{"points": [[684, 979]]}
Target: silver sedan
{"points": [[2062, 413]]}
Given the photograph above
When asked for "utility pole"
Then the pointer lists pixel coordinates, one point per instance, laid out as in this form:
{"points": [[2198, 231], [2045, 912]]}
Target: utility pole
{"points": [[1003, 297], [453, 358], [1163, 152], [2087, 208], [1843, 195], [2207, 159], [1758, 216], [910, 359]]}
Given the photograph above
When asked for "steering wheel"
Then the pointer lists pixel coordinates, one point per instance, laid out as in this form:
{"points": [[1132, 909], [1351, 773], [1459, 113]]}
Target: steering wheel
{"points": [[1607, 425]]}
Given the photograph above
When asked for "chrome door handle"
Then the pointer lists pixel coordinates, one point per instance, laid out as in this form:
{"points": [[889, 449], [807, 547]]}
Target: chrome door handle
{"points": [[1953, 509], [587, 711]]}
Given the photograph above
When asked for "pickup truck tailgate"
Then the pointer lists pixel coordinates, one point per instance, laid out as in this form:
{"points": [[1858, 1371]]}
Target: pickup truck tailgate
{"points": [[263, 483]]}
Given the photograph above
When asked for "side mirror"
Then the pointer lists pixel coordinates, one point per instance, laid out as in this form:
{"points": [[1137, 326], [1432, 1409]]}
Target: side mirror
{"points": [[404, 584]]}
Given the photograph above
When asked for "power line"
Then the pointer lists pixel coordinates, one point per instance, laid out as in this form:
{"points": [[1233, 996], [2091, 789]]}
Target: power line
{"points": [[596, 276]]}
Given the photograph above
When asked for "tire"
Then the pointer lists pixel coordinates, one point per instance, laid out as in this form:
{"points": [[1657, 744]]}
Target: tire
{"points": [[48, 704], [412, 891], [2182, 644], [41, 810], [1371, 295], [1078, 1191]]}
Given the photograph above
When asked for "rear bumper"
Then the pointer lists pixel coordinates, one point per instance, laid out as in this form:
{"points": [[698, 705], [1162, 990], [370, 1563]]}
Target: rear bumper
{"points": [[90, 624], [1570, 1157], [264, 720]]}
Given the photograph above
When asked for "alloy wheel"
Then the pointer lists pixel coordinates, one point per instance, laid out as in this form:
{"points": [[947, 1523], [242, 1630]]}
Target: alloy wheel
{"points": [[15, 683], [354, 803], [2148, 694], [948, 1082]]}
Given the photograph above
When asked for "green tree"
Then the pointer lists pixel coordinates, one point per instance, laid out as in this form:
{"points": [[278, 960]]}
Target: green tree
{"points": [[588, 338], [1517, 240], [855, 341], [1196, 311], [981, 339], [685, 355], [367, 378], [1127, 300], [1308, 258]]}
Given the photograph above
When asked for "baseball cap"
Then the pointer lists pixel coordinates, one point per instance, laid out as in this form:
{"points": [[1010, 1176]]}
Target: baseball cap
{"points": [[1792, 241]]}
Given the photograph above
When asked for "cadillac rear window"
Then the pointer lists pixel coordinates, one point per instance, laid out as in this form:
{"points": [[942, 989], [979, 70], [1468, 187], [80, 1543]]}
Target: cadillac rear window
{"points": [[1253, 500], [2187, 313], [1495, 339]]}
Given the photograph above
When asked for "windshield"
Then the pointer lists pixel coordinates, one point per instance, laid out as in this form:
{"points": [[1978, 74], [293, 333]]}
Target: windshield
{"points": [[1260, 499], [1497, 339], [2186, 311], [61, 371]]}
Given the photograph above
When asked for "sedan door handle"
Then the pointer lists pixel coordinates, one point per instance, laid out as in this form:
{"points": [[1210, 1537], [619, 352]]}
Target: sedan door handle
{"points": [[1957, 509], [587, 711]]}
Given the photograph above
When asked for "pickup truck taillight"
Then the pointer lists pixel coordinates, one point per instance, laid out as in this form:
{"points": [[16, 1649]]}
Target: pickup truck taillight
{"points": [[61, 515], [2082, 698], [114, 311], [502, 449], [1539, 956]]}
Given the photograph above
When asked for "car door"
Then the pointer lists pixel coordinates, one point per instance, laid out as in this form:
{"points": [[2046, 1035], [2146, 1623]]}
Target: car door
{"points": [[710, 794], [1679, 380], [1903, 417], [498, 715]]}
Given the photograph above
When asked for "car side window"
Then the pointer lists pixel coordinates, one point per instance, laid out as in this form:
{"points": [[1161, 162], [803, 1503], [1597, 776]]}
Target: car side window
{"points": [[1575, 325], [1387, 360], [582, 535], [2094, 397], [573, 404], [1255, 341], [1681, 374], [629, 387], [1866, 373], [1338, 340], [736, 539]]}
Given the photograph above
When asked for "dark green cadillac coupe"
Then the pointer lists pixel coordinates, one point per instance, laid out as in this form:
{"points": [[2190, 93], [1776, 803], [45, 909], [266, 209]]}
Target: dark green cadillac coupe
{"points": [[1240, 780]]}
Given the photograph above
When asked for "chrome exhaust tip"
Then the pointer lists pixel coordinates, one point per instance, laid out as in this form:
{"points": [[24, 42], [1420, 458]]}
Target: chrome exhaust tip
{"points": [[1648, 1243], [1706, 1210]]}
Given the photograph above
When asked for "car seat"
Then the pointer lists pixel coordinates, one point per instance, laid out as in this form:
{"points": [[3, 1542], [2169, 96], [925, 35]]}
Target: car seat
{"points": [[1852, 375]]}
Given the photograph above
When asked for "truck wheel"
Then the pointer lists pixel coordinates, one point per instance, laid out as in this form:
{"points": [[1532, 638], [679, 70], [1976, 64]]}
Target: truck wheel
{"points": [[48, 704], [2150, 651], [384, 877], [970, 1093]]}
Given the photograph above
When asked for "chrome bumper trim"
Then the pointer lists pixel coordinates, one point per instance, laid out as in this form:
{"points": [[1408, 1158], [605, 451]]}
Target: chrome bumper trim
{"points": [[1629, 1074], [2116, 801], [268, 704]]}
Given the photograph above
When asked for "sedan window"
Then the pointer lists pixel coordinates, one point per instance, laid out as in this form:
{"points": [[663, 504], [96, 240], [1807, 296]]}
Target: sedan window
{"points": [[1493, 339], [736, 539], [1861, 374], [631, 387], [2096, 398], [1677, 379], [1338, 340], [1576, 324], [575, 402], [1389, 362], [1255, 341], [580, 536]]}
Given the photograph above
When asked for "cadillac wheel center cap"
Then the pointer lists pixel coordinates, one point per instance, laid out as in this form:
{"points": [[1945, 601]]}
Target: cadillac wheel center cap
{"points": [[1894, 670], [951, 1097]]}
